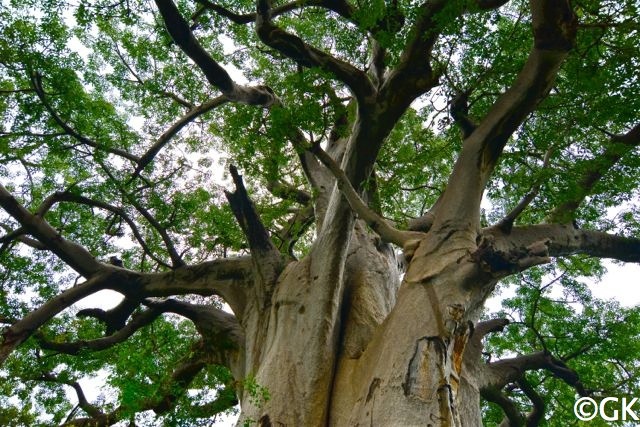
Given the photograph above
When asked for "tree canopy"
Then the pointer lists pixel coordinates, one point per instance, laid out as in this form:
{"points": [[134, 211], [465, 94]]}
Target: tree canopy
{"points": [[183, 152]]}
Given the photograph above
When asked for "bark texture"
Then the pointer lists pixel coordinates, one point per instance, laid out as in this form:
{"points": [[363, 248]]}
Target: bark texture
{"points": [[374, 325]]}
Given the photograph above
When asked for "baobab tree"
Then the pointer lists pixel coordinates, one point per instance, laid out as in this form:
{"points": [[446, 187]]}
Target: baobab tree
{"points": [[391, 166]]}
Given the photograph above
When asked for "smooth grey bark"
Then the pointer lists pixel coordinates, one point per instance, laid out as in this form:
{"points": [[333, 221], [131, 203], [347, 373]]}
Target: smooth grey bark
{"points": [[334, 337]]}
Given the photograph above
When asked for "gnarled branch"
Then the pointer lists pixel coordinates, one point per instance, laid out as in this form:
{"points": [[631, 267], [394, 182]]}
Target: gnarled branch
{"points": [[90, 409], [222, 335], [536, 416], [512, 414], [231, 278], [216, 75], [138, 321], [308, 56], [500, 373]]}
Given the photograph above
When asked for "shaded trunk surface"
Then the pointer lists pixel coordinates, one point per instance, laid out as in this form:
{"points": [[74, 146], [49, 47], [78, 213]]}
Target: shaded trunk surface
{"points": [[374, 352]]}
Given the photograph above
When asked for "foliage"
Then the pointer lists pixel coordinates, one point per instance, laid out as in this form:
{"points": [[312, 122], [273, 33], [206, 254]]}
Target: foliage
{"points": [[83, 82]]}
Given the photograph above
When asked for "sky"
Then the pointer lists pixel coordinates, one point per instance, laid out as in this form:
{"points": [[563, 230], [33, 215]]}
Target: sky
{"points": [[621, 282]]}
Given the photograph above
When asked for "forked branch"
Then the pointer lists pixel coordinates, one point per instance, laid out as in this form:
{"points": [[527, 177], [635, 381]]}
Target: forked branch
{"points": [[17, 333], [378, 224], [554, 28], [71, 253], [66, 196], [90, 409], [181, 33], [265, 254], [502, 372], [138, 321], [295, 48]]}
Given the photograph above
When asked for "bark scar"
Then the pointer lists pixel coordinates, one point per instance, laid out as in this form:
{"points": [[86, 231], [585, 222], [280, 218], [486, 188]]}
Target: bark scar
{"points": [[428, 357]]}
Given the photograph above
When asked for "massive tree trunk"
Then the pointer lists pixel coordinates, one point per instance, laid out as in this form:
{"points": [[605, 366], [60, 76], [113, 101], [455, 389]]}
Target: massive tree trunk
{"points": [[363, 357], [304, 333], [375, 325]]}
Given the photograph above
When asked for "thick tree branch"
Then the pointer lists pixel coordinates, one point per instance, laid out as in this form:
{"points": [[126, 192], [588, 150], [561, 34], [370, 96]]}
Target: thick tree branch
{"points": [[536, 416], [474, 348], [490, 4], [500, 373], [18, 235], [317, 175], [17, 333], [487, 327], [71, 253], [225, 399], [513, 416], [138, 321], [247, 18], [308, 56], [36, 80], [222, 335], [230, 278], [423, 223], [378, 224], [563, 240], [592, 172], [165, 399], [459, 110], [313, 170], [413, 75], [177, 384], [390, 23], [115, 318], [222, 341], [216, 75], [554, 28]]}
